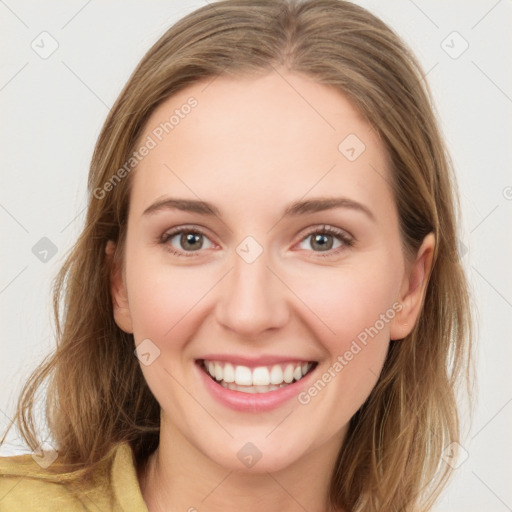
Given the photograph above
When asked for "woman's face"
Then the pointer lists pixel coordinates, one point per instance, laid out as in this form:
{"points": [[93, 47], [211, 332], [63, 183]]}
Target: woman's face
{"points": [[295, 262]]}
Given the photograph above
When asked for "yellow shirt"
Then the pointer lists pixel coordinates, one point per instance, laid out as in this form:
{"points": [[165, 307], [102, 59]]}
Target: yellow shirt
{"points": [[26, 487]]}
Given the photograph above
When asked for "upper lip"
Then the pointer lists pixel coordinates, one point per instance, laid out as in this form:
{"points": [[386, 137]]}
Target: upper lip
{"points": [[263, 360]]}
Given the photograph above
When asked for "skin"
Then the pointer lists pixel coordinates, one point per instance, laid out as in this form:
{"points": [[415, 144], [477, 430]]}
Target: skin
{"points": [[251, 147]]}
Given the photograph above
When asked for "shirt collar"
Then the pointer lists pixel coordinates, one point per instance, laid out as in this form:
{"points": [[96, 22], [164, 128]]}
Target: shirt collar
{"points": [[125, 483]]}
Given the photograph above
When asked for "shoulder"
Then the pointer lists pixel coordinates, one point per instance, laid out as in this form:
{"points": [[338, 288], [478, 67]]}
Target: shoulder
{"points": [[26, 486]]}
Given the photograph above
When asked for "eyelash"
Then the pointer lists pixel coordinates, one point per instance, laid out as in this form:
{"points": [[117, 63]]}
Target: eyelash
{"points": [[346, 240]]}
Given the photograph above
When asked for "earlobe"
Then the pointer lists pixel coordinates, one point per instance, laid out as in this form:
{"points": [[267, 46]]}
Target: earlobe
{"points": [[413, 289], [118, 292]]}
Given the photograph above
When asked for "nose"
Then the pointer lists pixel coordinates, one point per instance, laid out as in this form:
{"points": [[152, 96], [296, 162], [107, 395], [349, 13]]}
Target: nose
{"points": [[252, 299]]}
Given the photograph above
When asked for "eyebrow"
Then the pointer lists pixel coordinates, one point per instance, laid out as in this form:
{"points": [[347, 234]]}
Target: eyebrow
{"points": [[293, 209]]}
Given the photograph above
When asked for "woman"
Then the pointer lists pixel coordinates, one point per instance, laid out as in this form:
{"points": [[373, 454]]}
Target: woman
{"points": [[271, 227]]}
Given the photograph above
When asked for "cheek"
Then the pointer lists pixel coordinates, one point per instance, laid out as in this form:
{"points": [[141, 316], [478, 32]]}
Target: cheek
{"points": [[351, 301], [357, 307], [162, 298]]}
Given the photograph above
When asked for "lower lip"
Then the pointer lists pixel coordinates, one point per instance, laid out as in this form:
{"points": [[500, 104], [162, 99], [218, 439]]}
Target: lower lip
{"points": [[252, 402]]}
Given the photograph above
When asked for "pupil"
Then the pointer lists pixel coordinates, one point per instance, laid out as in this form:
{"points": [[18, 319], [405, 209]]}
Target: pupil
{"points": [[326, 244], [189, 239]]}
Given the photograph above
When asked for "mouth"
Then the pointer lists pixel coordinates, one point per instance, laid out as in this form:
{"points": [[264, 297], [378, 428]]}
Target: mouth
{"points": [[259, 379]]}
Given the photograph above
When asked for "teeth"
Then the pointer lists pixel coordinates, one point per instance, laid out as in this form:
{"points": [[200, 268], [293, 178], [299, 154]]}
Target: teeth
{"points": [[229, 373], [288, 373], [257, 380], [243, 376], [260, 376], [276, 374], [218, 371]]}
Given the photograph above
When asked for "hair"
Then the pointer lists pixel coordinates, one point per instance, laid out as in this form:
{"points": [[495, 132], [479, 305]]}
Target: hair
{"points": [[97, 396]]}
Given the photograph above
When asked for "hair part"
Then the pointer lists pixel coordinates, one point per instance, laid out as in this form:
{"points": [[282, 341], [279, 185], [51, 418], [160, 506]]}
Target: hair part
{"points": [[391, 458]]}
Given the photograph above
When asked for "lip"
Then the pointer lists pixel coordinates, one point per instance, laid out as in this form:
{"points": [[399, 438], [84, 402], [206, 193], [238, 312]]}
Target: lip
{"points": [[252, 402]]}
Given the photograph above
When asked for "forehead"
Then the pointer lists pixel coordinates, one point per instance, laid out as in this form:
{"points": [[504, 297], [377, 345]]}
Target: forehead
{"points": [[270, 140]]}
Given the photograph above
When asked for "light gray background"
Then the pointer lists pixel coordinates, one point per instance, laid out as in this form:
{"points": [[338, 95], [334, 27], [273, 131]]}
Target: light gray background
{"points": [[53, 109]]}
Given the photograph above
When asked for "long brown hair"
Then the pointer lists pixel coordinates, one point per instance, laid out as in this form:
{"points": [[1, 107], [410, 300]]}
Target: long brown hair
{"points": [[97, 396]]}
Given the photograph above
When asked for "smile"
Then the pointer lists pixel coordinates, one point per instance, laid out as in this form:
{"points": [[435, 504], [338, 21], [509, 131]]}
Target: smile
{"points": [[260, 379]]}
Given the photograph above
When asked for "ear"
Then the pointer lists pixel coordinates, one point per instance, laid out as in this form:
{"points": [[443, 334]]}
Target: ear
{"points": [[118, 291], [413, 288]]}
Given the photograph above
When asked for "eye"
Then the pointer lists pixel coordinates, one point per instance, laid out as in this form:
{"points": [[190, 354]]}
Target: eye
{"points": [[189, 241], [328, 240], [181, 241]]}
